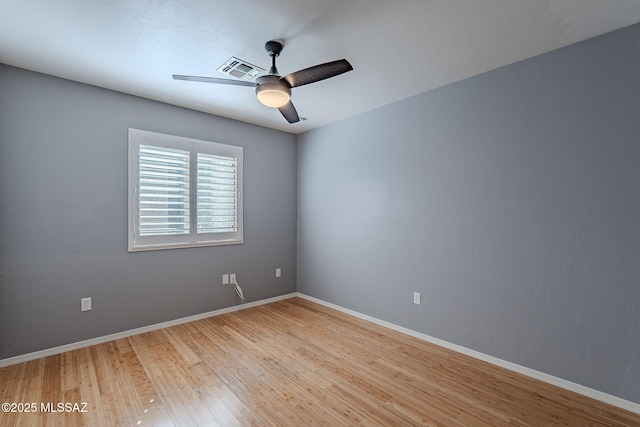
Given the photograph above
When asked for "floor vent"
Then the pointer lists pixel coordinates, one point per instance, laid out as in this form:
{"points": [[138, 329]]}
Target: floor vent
{"points": [[236, 67]]}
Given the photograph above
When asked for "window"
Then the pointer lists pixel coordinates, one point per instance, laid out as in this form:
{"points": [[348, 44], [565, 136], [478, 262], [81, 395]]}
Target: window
{"points": [[183, 192]]}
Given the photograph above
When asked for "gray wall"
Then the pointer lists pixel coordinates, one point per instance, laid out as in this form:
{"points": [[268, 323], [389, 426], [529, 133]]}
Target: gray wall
{"points": [[510, 200], [63, 216]]}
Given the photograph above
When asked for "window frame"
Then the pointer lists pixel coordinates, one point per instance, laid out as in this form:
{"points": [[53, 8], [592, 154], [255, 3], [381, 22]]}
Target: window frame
{"points": [[138, 243]]}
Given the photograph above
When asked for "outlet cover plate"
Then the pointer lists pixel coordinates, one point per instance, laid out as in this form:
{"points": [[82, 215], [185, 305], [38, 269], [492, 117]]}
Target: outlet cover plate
{"points": [[85, 304]]}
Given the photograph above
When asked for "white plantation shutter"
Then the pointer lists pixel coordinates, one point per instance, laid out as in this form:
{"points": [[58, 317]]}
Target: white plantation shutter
{"points": [[183, 192], [217, 188], [163, 191]]}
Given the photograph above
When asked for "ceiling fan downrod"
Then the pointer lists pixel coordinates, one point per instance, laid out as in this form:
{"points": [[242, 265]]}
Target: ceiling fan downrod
{"points": [[273, 49]]}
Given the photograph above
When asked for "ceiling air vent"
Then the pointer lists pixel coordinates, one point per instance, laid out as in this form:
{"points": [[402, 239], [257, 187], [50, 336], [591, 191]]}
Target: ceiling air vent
{"points": [[240, 69]]}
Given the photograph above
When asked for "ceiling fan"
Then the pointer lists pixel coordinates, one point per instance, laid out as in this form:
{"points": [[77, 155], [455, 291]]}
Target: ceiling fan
{"points": [[275, 91]]}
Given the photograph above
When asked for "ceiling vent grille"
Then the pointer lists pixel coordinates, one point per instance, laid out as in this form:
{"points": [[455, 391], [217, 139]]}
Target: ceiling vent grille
{"points": [[236, 67]]}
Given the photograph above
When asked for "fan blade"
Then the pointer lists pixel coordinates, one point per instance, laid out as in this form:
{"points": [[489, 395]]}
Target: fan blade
{"points": [[214, 80], [318, 72], [289, 112]]}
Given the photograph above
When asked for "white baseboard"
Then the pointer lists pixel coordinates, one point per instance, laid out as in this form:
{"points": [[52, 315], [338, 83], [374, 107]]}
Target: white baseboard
{"points": [[568, 385], [124, 334], [550, 379]]}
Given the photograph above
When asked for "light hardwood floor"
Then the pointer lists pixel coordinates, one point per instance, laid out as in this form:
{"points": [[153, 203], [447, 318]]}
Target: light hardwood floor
{"points": [[289, 363]]}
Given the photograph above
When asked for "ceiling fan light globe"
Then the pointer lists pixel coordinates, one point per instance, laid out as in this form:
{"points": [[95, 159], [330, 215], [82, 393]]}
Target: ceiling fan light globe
{"points": [[273, 95]]}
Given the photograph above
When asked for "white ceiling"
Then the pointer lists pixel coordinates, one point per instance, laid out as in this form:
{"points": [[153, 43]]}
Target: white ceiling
{"points": [[398, 48]]}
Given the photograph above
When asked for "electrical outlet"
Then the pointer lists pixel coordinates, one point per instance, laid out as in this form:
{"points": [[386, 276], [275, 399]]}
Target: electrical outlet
{"points": [[85, 304], [278, 272], [225, 279], [232, 277], [416, 297]]}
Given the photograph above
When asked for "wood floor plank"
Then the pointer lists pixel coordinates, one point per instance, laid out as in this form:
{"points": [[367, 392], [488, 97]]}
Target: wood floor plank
{"points": [[291, 362]]}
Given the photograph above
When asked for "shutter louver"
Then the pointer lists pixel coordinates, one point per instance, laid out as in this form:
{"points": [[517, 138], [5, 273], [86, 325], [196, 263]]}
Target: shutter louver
{"points": [[163, 191], [217, 190]]}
